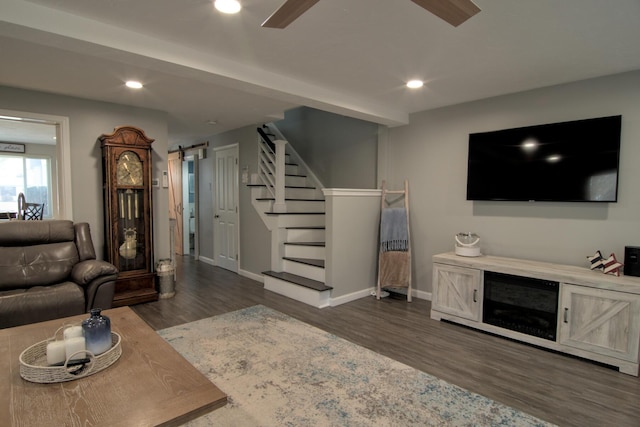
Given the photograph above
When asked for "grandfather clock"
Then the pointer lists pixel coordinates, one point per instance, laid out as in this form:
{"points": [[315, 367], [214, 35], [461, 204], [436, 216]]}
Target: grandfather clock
{"points": [[128, 213]]}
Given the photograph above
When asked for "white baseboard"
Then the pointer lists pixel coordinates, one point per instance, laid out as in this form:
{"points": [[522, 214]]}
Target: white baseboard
{"points": [[367, 292], [334, 301], [206, 260], [421, 294], [250, 275], [350, 297]]}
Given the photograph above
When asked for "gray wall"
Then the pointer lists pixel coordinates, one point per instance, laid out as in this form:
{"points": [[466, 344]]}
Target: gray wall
{"points": [[87, 121], [340, 151], [432, 153]]}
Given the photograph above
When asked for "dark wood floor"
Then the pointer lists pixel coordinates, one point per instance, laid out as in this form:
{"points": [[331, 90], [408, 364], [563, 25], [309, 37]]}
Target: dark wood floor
{"points": [[557, 388]]}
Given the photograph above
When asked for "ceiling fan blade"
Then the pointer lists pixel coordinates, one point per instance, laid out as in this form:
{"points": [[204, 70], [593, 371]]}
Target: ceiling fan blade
{"points": [[455, 12], [288, 12]]}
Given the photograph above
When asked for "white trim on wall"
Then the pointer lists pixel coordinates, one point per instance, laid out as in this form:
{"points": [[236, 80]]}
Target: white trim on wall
{"points": [[63, 208]]}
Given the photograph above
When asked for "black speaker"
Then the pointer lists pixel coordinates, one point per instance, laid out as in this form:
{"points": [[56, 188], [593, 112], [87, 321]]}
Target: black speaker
{"points": [[632, 261]]}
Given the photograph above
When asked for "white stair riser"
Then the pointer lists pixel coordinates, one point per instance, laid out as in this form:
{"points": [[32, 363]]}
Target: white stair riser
{"points": [[304, 206], [300, 251], [290, 193], [292, 206], [304, 270], [294, 220], [303, 193], [295, 181], [259, 192], [318, 299], [291, 169], [306, 235], [263, 205]]}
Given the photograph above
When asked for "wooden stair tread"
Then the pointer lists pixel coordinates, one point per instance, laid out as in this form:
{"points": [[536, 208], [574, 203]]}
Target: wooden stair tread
{"points": [[286, 186], [308, 261], [295, 213], [290, 200], [298, 280], [292, 174], [320, 244]]}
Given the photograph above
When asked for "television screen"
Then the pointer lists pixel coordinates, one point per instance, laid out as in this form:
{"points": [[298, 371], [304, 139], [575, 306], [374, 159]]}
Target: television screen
{"points": [[573, 161]]}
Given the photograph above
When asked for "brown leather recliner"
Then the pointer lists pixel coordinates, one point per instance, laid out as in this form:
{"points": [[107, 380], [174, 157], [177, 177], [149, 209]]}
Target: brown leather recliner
{"points": [[48, 270]]}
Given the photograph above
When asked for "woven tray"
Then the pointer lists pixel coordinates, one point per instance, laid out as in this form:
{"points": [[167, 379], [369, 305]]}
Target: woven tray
{"points": [[34, 367]]}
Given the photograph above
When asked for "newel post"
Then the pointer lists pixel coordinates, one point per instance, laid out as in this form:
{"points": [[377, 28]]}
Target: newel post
{"points": [[279, 204]]}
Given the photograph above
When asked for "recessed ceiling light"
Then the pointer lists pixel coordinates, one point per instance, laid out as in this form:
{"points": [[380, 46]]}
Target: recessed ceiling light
{"points": [[227, 6], [415, 84], [134, 84], [212, 122]]}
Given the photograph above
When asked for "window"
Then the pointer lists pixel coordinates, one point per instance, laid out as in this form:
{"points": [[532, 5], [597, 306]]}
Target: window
{"points": [[45, 137], [30, 175]]}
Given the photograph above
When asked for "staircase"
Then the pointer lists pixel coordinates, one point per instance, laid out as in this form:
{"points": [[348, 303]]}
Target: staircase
{"points": [[292, 207]]}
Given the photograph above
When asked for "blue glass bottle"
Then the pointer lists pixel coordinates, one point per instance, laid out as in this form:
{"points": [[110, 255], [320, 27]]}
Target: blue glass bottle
{"points": [[97, 332]]}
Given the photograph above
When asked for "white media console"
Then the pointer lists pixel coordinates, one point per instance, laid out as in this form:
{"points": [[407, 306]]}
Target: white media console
{"points": [[597, 315]]}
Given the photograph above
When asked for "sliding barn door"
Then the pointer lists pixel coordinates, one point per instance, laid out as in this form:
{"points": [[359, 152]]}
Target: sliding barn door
{"points": [[175, 200]]}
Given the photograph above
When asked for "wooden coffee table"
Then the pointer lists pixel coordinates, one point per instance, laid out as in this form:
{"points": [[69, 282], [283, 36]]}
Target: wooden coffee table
{"points": [[151, 384]]}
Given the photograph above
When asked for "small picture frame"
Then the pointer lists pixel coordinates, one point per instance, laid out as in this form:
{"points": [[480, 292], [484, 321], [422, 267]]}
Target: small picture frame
{"points": [[11, 147]]}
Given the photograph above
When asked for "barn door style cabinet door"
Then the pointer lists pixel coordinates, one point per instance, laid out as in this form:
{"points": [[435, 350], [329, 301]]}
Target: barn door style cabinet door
{"points": [[458, 291], [600, 321], [126, 160]]}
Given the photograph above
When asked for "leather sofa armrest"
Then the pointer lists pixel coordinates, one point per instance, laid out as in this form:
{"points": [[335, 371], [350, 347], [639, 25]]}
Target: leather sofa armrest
{"points": [[99, 281], [86, 271], [99, 293]]}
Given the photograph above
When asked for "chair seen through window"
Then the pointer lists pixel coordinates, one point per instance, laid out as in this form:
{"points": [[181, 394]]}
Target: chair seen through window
{"points": [[29, 211]]}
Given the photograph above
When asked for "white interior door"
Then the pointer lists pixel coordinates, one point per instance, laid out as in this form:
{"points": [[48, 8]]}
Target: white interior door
{"points": [[225, 227]]}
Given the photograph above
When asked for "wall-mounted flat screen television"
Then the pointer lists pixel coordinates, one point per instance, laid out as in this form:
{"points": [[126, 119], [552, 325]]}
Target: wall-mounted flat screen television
{"points": [[573, 161]]}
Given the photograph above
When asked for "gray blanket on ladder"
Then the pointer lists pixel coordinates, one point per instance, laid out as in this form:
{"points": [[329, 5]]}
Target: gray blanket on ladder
{"points": [[394, 231]]}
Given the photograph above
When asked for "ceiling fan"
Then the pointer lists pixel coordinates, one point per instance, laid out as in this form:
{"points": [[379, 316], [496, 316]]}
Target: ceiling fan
{"points": [[455, 12]]}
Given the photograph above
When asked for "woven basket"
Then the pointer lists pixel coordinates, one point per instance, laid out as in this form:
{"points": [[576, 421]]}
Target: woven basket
{"points": [[34, 367]]}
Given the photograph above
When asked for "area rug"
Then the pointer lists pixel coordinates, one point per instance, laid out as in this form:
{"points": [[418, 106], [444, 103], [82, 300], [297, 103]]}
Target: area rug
{"points": [[278, 371]]}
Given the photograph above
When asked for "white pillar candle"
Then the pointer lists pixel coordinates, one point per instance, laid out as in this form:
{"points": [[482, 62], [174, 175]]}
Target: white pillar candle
{"points": [[56, 352], [72, 332], [73, 345]]}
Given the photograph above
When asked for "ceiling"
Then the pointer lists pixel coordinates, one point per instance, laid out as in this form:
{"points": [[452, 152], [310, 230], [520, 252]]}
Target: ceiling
{"points": [[350, 57]]}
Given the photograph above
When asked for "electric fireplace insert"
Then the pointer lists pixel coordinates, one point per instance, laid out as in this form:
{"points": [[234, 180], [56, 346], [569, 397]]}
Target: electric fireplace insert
{"points": [[522, 304]]}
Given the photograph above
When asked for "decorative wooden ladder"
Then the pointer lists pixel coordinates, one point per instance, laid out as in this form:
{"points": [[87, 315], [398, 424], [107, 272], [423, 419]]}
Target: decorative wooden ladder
{"points": [[399, 275]]}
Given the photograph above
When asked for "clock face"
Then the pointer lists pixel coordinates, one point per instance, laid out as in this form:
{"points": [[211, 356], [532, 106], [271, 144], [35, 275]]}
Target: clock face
{"points": [[129, 169]]}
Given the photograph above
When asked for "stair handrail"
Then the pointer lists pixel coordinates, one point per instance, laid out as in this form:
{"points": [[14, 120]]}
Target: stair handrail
{"points": [[266, 169], [266, 162], [266, 138], [294, 156], [271, 168]]}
